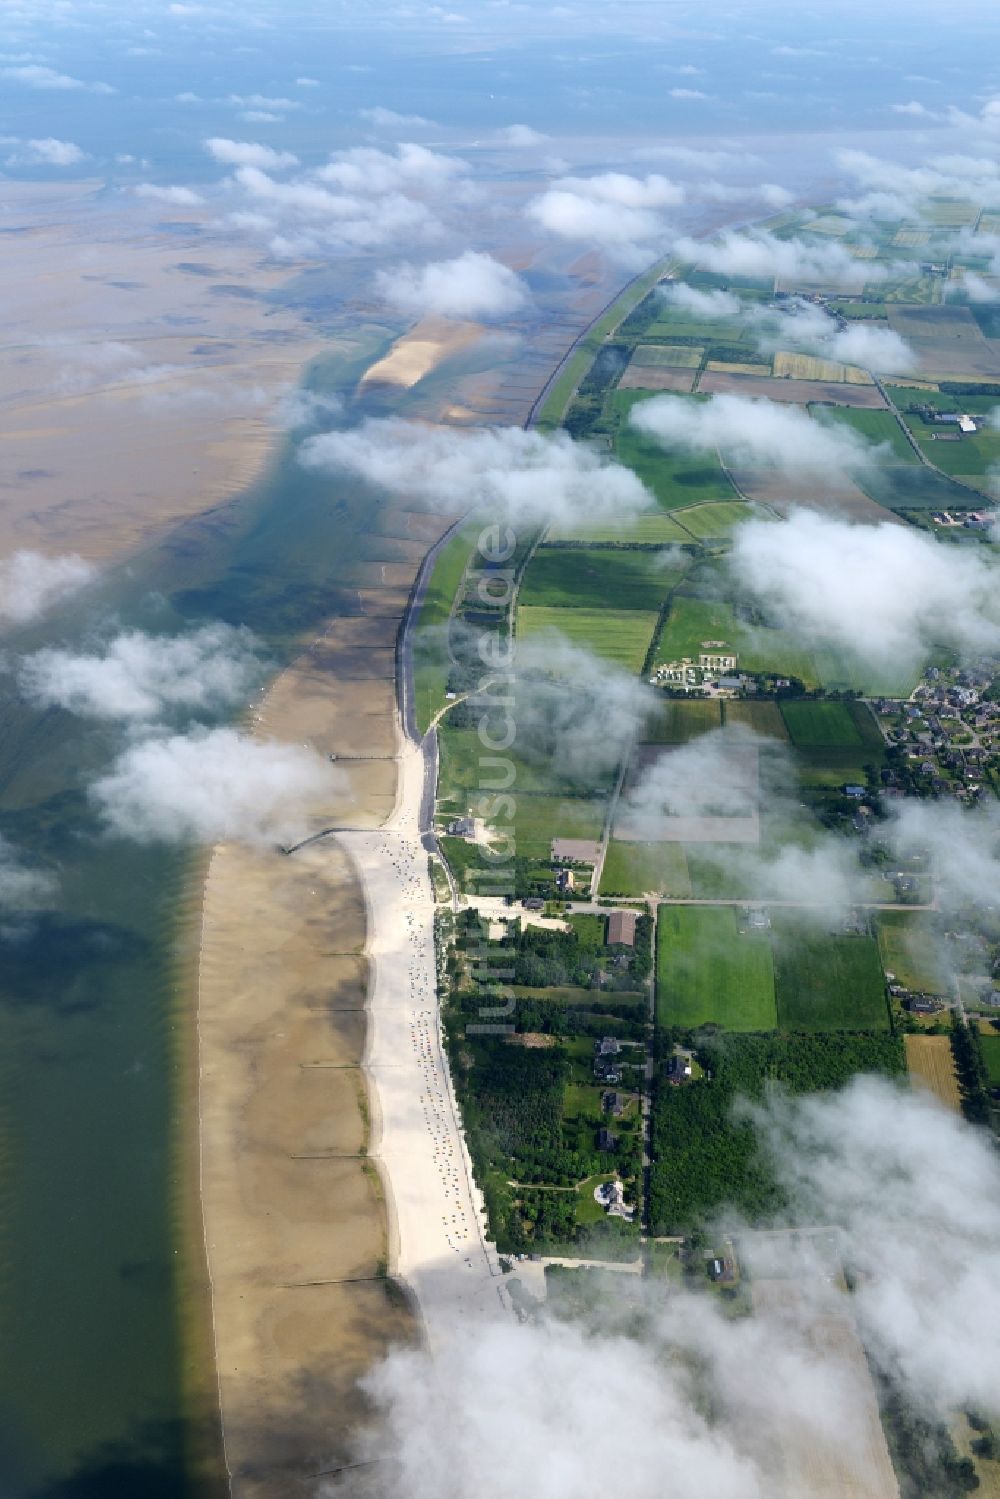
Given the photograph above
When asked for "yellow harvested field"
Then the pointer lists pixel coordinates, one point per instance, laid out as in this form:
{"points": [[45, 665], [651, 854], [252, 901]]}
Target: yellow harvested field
{"points": [[931, 1063], [830, 224], [723, 367], [854, 375], [863, 252], [807, 367], [912, 383], [911, 237]]}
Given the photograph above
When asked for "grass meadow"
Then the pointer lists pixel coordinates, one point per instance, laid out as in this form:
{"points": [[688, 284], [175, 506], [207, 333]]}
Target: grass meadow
{"points": [[706, 971]]}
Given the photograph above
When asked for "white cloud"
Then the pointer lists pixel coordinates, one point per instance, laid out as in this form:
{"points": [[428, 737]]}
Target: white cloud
{"points": [[801, 325], [737, 1407], [249, 154], [366, 169], [521, 135], [472, 285], [48, 152], [183, 197], [620, 213], [887, 593], [687, 93], [759, 254], [388, 119], [753, 432], [710, 304], [31, 583], [211, 785], [519, 476], [35, 76], [307, 83], [138, 676]]}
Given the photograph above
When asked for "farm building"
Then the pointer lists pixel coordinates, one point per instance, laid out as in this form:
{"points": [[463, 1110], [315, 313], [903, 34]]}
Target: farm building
{"points": [[716, 655], [621, 928]]}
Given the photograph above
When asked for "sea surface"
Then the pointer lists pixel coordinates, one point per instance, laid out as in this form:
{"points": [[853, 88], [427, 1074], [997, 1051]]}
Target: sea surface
{"points": [[96, 1052]]}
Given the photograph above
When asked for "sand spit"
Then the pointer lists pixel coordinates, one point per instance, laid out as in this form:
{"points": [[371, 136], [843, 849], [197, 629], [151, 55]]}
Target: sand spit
{"points": [[422, 349]]}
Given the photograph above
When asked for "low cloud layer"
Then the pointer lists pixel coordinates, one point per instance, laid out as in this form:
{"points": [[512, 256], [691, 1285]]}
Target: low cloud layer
{"points": [[712, 304], [473, 285], [139, 676], [521, 477], [31, 583], [620, 213], [249, 154], [758, 433], [886, 593], [213, 785], [23, 887], [760, 255], [759, 1407], [809, 329]]}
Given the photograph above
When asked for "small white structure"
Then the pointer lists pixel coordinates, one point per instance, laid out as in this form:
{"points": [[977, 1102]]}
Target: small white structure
{"points": [[611, 1196]]}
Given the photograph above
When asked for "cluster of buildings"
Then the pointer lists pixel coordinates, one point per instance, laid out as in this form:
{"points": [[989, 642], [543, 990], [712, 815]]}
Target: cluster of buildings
{"points": [[972, 520], [712, 672], [949, 729]]}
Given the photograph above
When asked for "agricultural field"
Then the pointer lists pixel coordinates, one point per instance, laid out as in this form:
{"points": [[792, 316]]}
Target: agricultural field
{"points": [[876, 427], [677, 720], [718, 518], [794, 392], [820, 723], [909, 948], [759, 717], [707, 971], [622, 635], [657, 377], [638, 869], [826, 982], [692, 620], [667, 356], [540, 818], [578, 577], [929, 1061], [989, 1040], [654, 528], [811, 367], [677, 479], [947, 340]]}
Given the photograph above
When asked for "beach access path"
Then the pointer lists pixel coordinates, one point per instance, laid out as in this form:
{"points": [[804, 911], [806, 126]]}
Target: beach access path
{"points": [[437, 1220]]}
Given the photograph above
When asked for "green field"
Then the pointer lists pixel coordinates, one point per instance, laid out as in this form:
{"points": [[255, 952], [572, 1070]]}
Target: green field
{"points": [[825, 982], [577, 577], [874, 426], [909, 949], [622, 636], [637, 868], [430, 647], [971, 457], [717, 518], [654, 527], [554, 407], [677, 720], [706, 971], [677, 479], [692, 620], [539, 818], [991, 1056], [760, 717], [820, 723]]}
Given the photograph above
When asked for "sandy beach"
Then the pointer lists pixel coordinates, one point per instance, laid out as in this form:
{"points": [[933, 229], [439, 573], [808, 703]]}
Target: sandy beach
{"points": [[438, 1244]]}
